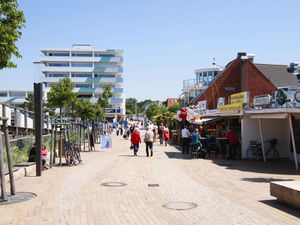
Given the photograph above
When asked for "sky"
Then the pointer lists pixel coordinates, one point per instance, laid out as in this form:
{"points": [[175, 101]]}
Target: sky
{"points": [[164, 41]]}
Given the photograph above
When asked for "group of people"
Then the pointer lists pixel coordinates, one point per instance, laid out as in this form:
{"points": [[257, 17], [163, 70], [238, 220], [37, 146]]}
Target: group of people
{"points": [[194, 140], [33, 153], [150, 137]]}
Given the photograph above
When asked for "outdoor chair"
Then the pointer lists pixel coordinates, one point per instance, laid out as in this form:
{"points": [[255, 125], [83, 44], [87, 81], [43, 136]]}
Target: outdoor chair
{"points": [[211, 146]]}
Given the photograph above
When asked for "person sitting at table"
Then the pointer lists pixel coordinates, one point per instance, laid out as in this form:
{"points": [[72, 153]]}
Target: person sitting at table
{"points": [[196, 137]]}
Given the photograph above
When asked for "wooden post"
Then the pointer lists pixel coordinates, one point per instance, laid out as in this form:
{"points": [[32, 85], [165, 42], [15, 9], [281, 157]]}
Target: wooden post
{"points": [[38, 121], [2, 175], [54, 146], [262, 140], [52, 149], [61, 146], [293, 141], [8, 152], [16, 120]]}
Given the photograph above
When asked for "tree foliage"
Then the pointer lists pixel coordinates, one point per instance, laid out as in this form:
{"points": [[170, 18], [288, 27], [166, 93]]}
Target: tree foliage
{"points": [[106, 95], [152, 110], [85, 109], [131, 104], [174, 108], [11, 22], [29, 102], [61, 95]]}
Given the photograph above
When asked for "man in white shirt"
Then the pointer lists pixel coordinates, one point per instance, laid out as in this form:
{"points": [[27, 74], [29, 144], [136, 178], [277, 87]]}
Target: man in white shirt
{"points": [[185, 134]]}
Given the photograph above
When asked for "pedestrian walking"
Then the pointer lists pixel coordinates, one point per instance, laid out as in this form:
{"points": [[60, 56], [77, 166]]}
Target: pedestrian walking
{"points": [[135, 141], [160, 134], [149, 135], [166, 135], [185, 134]]}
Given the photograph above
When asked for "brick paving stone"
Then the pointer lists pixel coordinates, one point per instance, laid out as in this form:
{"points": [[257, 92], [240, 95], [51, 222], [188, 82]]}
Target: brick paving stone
{"points": [[232, 194]]}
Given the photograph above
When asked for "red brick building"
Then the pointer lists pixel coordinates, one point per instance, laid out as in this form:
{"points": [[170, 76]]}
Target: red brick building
{"points": [[239, 75], [171, 101]]}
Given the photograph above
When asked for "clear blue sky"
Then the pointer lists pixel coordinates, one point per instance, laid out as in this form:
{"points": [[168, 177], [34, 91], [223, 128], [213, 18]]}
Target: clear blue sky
{"points": [[163, 41]]}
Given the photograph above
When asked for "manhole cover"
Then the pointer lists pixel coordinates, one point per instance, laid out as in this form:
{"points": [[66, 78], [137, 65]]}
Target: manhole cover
{"points": [[153, 185], [180, 205], [113, 184], [19, 197]]}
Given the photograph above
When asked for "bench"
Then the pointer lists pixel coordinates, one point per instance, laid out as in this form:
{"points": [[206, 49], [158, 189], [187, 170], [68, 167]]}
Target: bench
{"points": [[287, 192]]}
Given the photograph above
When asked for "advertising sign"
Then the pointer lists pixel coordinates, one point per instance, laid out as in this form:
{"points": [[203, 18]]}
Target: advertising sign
{"points": [[202, 104], [236, 102], [221, 101], [262, 100]]}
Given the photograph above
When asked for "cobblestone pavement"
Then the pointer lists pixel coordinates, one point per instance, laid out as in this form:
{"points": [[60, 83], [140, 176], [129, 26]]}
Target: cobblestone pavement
{"points": [[225, 192]]}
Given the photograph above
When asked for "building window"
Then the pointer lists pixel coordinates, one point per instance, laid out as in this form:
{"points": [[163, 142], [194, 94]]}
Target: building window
{"points": [[58, 54], [82, 64], [57, 75], [82, 54], [58, 64], [104, 75], [97, 54], [205, 79], [3, 94], [84, 96], [84, 75], [210, 76], [83, 86], [216, 73]]}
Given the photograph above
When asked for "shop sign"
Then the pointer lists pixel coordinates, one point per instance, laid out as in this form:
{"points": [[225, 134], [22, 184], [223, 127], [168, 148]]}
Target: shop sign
{"points": [[107, 110], [202, 104], [221, 101], [241, 98], [235, 107], [236, 102], [281, 97], [262, 100]]}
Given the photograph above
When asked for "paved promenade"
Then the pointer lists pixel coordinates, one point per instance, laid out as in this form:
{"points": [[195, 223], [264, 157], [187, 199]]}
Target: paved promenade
{"points": [[225, 192]]}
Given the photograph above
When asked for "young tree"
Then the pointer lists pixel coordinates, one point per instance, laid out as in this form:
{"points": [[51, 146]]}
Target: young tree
{"points": [[103, 99], [152, 110], [61, 95], [11, 22], [174, 108], [85, 109], [131, 106], [29, 102]]}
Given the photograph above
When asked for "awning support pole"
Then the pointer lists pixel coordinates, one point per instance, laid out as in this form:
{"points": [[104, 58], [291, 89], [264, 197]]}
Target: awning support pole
{"points": [[293, 141], [262, 140]]}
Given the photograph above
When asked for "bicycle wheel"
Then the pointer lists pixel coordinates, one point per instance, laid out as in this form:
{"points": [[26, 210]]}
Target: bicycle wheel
{"points": [[276, 154], [68, 157], [249, 152]]}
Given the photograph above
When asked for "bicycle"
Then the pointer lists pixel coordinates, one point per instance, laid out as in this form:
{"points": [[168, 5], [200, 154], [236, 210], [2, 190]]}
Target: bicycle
{"points": [[255, 149], [272, 148], [72, 154]]}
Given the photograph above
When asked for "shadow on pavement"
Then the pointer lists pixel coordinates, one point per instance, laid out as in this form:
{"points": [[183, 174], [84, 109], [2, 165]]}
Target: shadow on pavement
{"points": [[283, 207], [271, 167], [263, 179], [178, 155]]}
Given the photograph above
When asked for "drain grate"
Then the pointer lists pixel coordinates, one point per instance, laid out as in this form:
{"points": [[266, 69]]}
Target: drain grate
{"points": [[19, 197], [180, 205], [153, 185], [113, 184]]}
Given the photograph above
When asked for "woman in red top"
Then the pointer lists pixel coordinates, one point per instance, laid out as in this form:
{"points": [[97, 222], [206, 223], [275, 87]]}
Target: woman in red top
{"points": [[135, 141], [166, 135], [233, 143]]}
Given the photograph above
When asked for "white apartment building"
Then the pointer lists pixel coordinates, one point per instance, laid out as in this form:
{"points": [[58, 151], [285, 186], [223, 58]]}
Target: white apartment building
{"points": [[89, 70], [193, 87]]}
